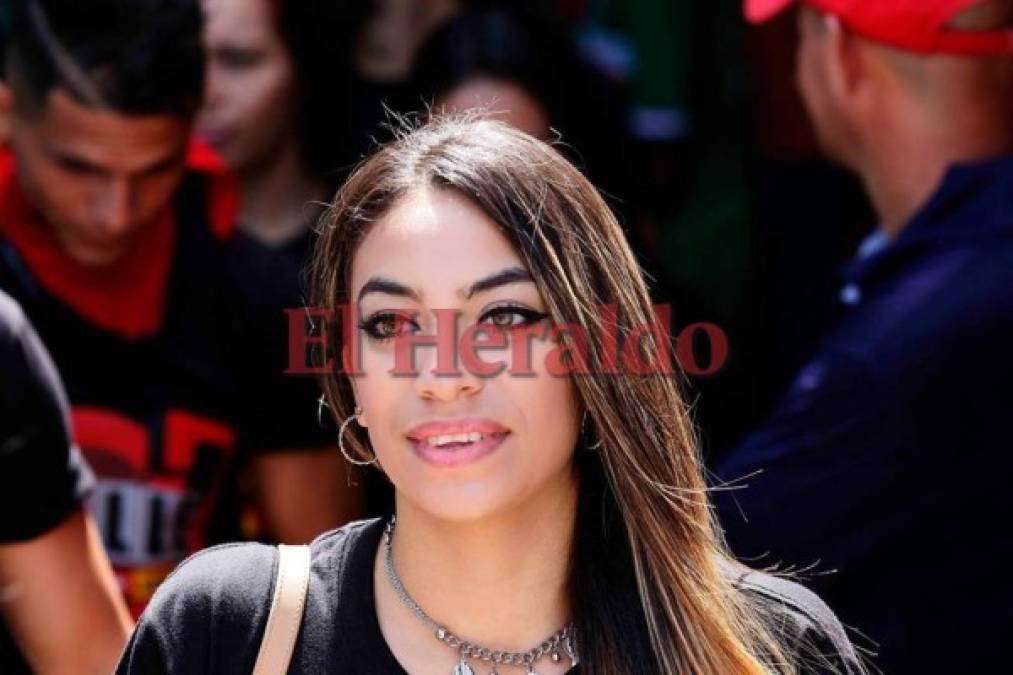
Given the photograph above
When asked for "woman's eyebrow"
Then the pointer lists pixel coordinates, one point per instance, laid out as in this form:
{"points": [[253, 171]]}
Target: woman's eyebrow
{"points": [[510, 275], [388, 286]]}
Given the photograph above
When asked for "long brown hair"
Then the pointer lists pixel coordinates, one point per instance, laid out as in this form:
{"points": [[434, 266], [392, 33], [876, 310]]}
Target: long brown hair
{"points": [[647, 558]]}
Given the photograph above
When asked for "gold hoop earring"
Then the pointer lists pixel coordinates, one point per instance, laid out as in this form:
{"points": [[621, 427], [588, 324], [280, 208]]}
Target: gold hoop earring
{"points": [[583, 421], [341, 444]]}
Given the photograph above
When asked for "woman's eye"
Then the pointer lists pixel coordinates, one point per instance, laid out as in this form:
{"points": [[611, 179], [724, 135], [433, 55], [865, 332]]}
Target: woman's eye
{"points": [[386, 325], [507, 317]]}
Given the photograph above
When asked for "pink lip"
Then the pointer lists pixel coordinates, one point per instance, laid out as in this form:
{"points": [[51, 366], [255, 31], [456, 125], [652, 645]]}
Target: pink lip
{"points": [[458, 426], [456, 454]]}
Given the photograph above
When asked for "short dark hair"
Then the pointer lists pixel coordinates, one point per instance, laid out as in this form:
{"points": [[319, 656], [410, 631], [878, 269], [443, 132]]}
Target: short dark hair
{"points": [[133, 56], [524, 43]]}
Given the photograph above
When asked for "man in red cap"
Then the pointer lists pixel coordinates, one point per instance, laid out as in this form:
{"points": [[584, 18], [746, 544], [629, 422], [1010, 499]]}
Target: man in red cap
{"points": [[882, 461]]}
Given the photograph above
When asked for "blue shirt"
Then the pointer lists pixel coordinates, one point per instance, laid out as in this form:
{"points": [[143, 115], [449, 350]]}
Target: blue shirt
{"points": [[884, 461]]}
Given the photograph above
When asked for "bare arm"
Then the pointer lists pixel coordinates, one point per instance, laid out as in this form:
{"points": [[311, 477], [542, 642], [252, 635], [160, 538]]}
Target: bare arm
{"points": [[60, 600], [303, 493]]}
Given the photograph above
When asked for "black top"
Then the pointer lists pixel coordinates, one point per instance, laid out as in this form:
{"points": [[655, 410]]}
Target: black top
{"points": [[209, 615], [42, 476], [165, 420], [43, 479]]}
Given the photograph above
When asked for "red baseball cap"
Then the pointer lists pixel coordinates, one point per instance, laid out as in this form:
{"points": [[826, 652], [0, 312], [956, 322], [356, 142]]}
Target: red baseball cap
{"points": [[913, 25]]}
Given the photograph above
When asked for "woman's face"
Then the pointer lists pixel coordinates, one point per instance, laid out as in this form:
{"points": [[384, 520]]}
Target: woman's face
{"points": [[249, 102], [427, 253]]}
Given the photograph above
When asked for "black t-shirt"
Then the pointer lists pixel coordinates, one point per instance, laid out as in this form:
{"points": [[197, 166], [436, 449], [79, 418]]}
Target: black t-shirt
{"points": [[209, 615], [166, 419], [43, 479]]}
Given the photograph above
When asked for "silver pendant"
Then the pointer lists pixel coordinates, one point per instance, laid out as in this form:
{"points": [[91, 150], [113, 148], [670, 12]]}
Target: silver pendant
{"points": [[570, 651], [462, 668]]}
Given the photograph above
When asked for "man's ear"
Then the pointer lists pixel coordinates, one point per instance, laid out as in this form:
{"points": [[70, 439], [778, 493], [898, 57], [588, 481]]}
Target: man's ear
{"points": [[6, 110], [845, 68]]}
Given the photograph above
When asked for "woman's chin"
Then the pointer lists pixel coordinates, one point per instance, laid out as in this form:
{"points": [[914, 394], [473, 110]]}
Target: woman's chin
{"points": [[462, 503]]}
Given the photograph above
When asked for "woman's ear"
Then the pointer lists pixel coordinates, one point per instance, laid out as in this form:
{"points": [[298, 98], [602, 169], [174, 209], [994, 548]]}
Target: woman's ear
{"points": [[361, 418]]}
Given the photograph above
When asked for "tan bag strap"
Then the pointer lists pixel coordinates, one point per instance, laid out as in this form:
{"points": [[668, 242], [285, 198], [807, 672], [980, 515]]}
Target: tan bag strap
{"points": [[287, 605]]}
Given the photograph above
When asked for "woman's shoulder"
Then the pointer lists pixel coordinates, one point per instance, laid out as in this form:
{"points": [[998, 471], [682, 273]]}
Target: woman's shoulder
{"points": [[240, 573], [801, 619], [222, 595]]}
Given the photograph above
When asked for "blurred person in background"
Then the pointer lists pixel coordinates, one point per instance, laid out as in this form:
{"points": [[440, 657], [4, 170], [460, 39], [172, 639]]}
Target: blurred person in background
{"points": [[116, 237], [52, 563], [276, 85], [384, 54], [516, 61], [276, 109], [880, 464]]}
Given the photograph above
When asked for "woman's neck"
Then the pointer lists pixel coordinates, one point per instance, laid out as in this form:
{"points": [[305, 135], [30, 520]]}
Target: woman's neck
{"points": [[278, 199], [501, 582]]}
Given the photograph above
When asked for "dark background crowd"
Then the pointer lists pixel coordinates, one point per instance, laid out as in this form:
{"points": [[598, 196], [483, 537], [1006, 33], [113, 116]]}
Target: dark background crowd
{"points": [[878, 443]]}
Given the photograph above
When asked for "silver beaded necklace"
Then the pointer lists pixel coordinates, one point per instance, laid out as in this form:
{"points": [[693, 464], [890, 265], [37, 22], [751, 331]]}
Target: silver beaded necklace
{"points": [[563, 638]]}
